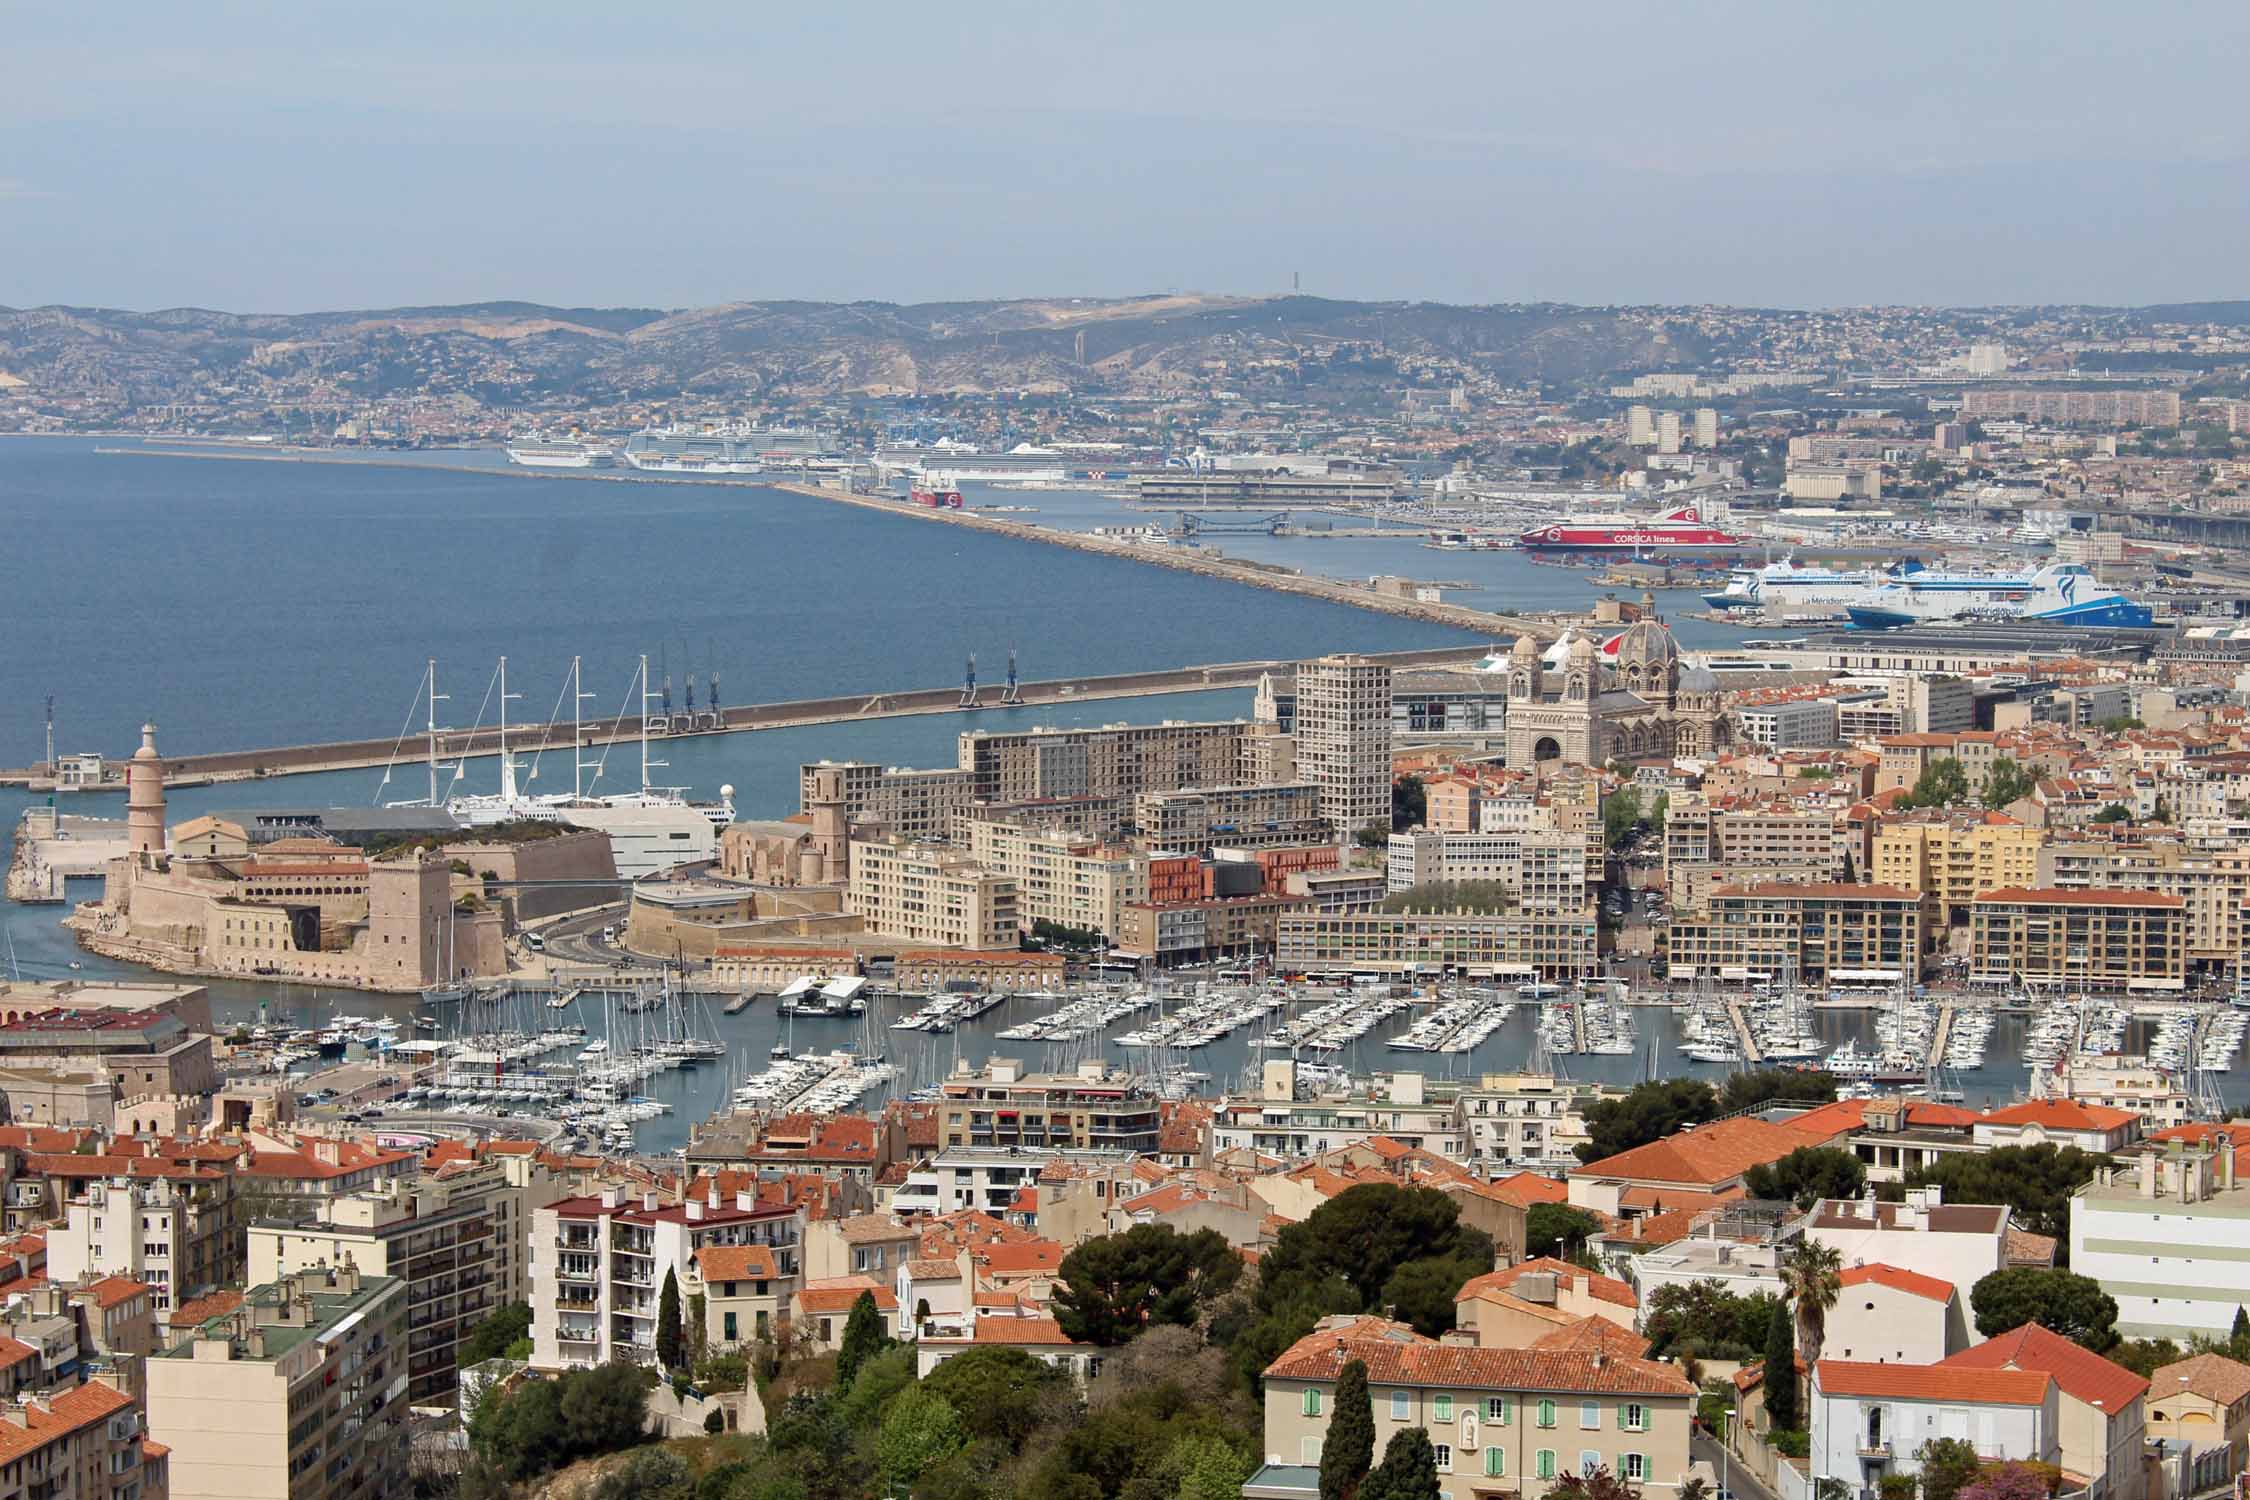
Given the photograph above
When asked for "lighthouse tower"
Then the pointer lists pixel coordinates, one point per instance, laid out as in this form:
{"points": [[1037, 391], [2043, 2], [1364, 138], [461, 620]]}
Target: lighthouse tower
{"points": [[144, 798]]}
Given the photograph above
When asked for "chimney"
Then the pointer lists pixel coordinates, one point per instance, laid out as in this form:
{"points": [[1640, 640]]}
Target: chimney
{"points": [[648, 1202], [2226, 1161], [2149, 1164], [695, 1210], [609, 1197], [745, 1201]]}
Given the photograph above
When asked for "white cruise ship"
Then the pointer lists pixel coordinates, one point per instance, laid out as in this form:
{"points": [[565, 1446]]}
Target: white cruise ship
{"points": [[690, 450], [559, 453], [1788, 585]]}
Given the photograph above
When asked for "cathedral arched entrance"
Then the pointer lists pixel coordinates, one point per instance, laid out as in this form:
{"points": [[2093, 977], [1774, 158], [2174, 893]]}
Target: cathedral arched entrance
{"points": [[1547, 747]]}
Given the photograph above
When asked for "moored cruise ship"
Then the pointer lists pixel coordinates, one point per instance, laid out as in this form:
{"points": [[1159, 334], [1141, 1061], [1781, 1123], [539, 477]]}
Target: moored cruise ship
{"points": [[1789, 584], [1680, 529], [559, 453], [689, 450], [2061, 593]]}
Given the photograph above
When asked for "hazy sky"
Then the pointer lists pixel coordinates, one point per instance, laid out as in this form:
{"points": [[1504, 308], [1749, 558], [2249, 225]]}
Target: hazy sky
{"points": [[291, 157]]}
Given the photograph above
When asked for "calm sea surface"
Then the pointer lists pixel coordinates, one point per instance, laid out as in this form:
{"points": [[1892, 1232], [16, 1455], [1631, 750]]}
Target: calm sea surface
{"points": [[246, 603]]}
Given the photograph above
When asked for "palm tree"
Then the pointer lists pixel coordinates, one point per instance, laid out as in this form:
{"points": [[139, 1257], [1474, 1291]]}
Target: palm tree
{"points": [[1812, 1275]]}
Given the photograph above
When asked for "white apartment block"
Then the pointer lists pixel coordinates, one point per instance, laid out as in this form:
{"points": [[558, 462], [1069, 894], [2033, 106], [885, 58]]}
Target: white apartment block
{"points": [[599, 1263], [1546, 870], [1795, 724], [1060, 876], [2168, 1240]]}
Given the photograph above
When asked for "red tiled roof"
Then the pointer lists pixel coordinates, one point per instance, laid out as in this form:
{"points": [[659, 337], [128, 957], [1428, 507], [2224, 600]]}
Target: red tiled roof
{"points": [[1899, 1280], [52, 1418], [1040, 1331], [113, 1291], [2083, 1374], [1707, 1155], [196, 1311], [1525, 1189], [836, 1294], [1940, 1382], [2062, 1114], [737, 1263], [2211, 1376], [14, 1352], [1597, 1333], [1323, 1353], [1607, 1288], [1023, 1258]]}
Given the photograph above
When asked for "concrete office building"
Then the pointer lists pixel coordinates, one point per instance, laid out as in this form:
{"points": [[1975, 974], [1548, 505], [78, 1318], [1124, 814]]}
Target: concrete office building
{"points": [[1061, 877], [1113, 760], [1343, 737]]}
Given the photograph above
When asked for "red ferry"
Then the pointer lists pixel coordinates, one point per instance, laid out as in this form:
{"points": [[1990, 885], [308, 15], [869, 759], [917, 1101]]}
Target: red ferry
{"points": [[935, 498], [1679, 529]]}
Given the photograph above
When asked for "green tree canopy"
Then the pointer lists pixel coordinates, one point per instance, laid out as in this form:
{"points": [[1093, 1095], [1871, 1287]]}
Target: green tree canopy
{"points": [[1807, 1175], [997, 1393], [494, 1336], [1947, 1465], [1621, 815], [1364, 1235], [1558, 1230], [1349, 1450], [2115, 812], [2059, 1301], [863, 1338], [1943, 783], [2006, 783], [2035, 1181], [1114, 1285], [1704, 1318], [1781, 1367], [546, 1424], [919, 1430], [1408, 1470], [1410, 806], [1649, 1112], [671, 1349], [1599, 1485], [1757, 1086]]}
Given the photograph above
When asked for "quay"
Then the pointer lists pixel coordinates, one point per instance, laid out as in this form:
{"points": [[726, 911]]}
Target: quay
{"points": [[351, 755], [1942, 1035], [53, 847], [1744, 1037]]}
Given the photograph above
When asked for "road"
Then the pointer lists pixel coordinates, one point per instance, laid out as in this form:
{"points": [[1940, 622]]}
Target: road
{"points": [[1707, 1450]]}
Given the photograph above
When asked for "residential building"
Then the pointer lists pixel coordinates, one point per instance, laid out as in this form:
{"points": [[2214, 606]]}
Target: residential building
{"points": [[2129, 1082], [2058, 1122], [1002, 1105], [1343, 739], [1868, 1421], [1193, 819], [176, 1232], [913, 803], [1524, 1120], [1278, 1123], [931, 893], [1112, 760], [869, 1245], [746, 1292], [1487, 945], [2111, 940], [1820, 932], [1959, 1243], [298, 1393], [1061, 877], [1038, 1338], [1515, 1307], [819, 1309], [2102, 1420], [1952, 861], [1525, 1416], [86, 1442], [599, 1265], [1702, 1164], [1205, 929], [2164, 1239], [2212, 884], [1890, 1315], [2203, 1400], [987, 1177], [1544, 871], [1789, 723], [458, 1238]]}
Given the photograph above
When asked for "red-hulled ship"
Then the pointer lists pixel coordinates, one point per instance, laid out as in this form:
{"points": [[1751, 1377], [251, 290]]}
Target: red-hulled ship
{"points": [[1681, 529], [938, 499]]}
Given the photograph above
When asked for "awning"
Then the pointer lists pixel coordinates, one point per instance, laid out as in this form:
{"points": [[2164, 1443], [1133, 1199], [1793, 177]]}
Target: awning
{"points": [[1864, 974]]}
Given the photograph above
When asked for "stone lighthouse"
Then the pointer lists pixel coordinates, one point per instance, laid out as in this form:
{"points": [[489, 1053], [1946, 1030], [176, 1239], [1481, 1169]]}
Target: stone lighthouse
{"points": [[144, 798]]}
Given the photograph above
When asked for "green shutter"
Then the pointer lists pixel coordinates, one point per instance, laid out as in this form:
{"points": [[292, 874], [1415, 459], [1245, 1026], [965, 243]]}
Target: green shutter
{"points": [[1546, 1419], [1495, 1462], [1546, 1463], [1444, 1409], [1507, 1411]]}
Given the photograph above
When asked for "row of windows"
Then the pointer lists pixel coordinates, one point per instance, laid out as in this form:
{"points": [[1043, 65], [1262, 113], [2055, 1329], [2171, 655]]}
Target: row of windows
{"points": [[1500, 1411]]}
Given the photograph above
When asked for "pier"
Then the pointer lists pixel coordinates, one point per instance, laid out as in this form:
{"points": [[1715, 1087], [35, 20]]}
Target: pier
{"points": [[1942, 1035], [527, 739], [54, 847], [1744, 1037]]}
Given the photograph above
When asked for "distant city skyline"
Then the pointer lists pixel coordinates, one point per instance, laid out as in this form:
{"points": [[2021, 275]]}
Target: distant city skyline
{"points": [[268, 159]]}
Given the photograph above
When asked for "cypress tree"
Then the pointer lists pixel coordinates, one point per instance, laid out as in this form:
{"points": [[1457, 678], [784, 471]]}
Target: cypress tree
{"points": [[2238, 1337], [668, 1322], [1781, 1367], [1408, 1470], [863, 1338], [1350, 1445]]}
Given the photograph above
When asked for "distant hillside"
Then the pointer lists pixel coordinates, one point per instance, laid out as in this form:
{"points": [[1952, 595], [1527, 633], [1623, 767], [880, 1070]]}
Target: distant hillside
{"points": [[502, 351]]}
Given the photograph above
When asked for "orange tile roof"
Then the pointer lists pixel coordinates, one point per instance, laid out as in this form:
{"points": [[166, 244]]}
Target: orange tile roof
{"points": [[836, 1294], [1414, 1360], [1607, 1288], [2211, 1376], [1595, 1333], [2062, 1114], [1708, 1155], [51, 1419], [1940, 1382], [1042, 1331], [112, 1291], [196, 1311], [1026, 1258], [1525, 1189], [14, 1352], [736, 1263], [2083, 1374], [1899, 1280]]}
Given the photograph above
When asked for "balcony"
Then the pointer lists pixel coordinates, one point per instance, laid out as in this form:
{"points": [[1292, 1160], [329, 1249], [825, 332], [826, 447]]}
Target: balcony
{"points": [[1874, 1449]]}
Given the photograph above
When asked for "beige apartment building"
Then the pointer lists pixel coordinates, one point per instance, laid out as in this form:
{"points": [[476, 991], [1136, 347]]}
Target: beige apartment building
{"points": [[2213, 885], [916, 803], [176, 1233], [1343, 735], [1822, 933], [1951, 860], [297, 1394], [931, 893], [2125, 940], [1404, 944], [83, 1442], [458, 1240], [1002, 1105], [1061, 877], [1503, 1421], [1193, 818], [1113, 760]]}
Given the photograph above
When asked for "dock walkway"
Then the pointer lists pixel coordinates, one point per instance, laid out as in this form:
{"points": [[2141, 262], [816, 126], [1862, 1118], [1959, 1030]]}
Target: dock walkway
{"points": [[1743, 1035]]}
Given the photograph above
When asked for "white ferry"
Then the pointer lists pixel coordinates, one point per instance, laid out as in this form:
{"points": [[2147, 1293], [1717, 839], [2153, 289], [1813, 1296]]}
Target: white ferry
{"points": [[559, 453]]}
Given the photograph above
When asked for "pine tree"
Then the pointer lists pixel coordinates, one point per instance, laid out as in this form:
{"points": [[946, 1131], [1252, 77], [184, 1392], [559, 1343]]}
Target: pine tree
{"points": [[1781, 1367], [863, 1338], [2238, 1337], [668, 1322], [1408, 1470], [1349, 1448]]}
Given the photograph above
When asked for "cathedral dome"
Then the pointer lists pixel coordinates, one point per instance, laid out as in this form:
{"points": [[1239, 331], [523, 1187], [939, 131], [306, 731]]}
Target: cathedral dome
{"points": [[1648, 642], [1526, 653]]}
